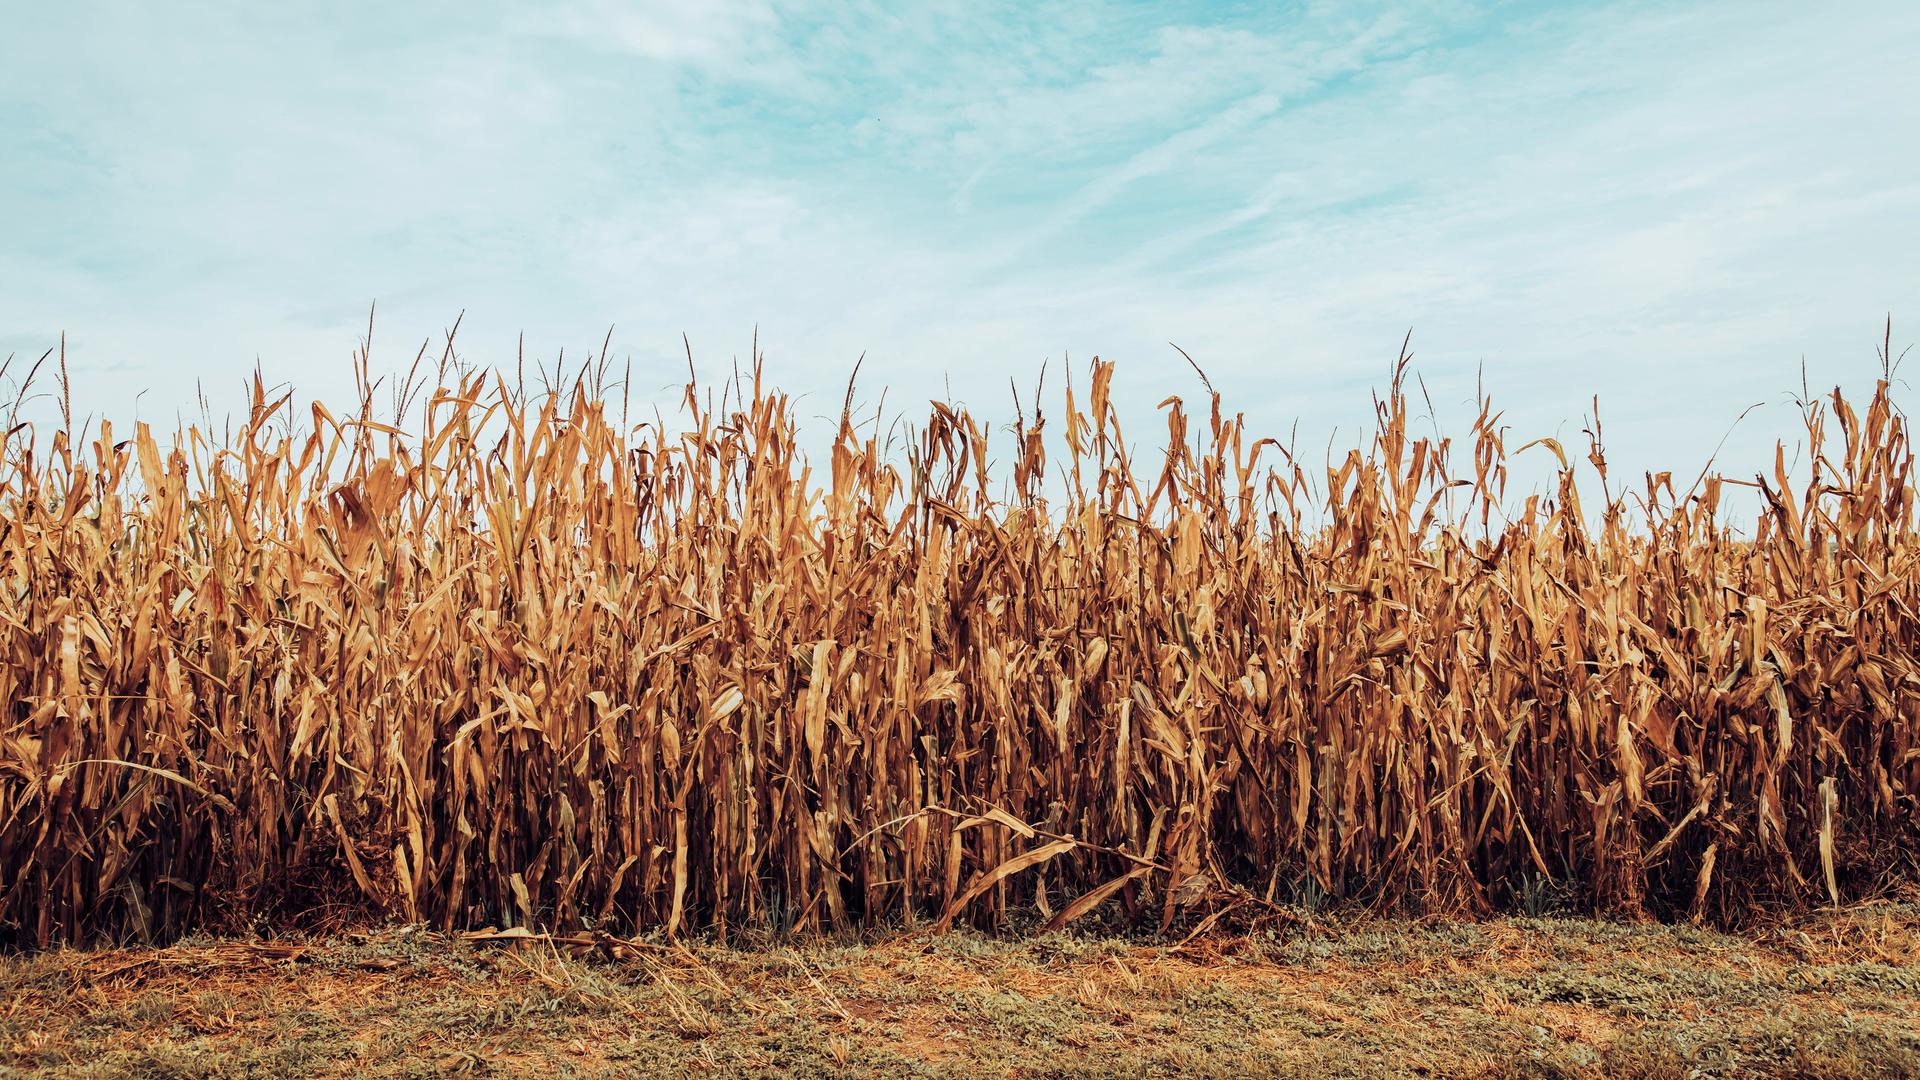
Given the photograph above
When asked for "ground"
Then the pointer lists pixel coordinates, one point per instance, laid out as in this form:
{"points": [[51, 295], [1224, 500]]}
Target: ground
{"points": [[1837, 995]]}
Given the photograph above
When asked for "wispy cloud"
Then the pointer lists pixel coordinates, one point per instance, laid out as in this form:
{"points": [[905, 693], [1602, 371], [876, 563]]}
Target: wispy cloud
{"points": [[1162, 156], [719, 34], [1664, 206]]}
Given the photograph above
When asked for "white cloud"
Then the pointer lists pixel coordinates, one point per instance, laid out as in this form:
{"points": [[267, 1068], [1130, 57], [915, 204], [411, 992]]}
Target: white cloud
{"points": [[1667, 208], [718, 33]]}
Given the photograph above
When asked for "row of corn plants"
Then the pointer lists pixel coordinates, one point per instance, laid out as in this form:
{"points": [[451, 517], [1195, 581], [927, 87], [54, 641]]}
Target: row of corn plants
{"points": [[516, 661]]}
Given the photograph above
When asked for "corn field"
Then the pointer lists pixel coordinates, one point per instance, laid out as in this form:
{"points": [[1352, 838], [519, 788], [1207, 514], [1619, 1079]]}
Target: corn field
{"points": [[521, 663]]}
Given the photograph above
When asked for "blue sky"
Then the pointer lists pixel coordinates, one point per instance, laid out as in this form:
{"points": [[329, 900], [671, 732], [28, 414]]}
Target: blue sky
{"points": [[1669, 206]]}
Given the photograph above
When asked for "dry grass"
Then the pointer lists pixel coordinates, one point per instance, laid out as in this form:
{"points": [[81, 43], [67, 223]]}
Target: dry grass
{"points": [[520, 664], [1500, 998]]}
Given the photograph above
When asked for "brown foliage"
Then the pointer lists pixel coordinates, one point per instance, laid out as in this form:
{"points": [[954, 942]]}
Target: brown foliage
{"points": [[521, 665]]}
